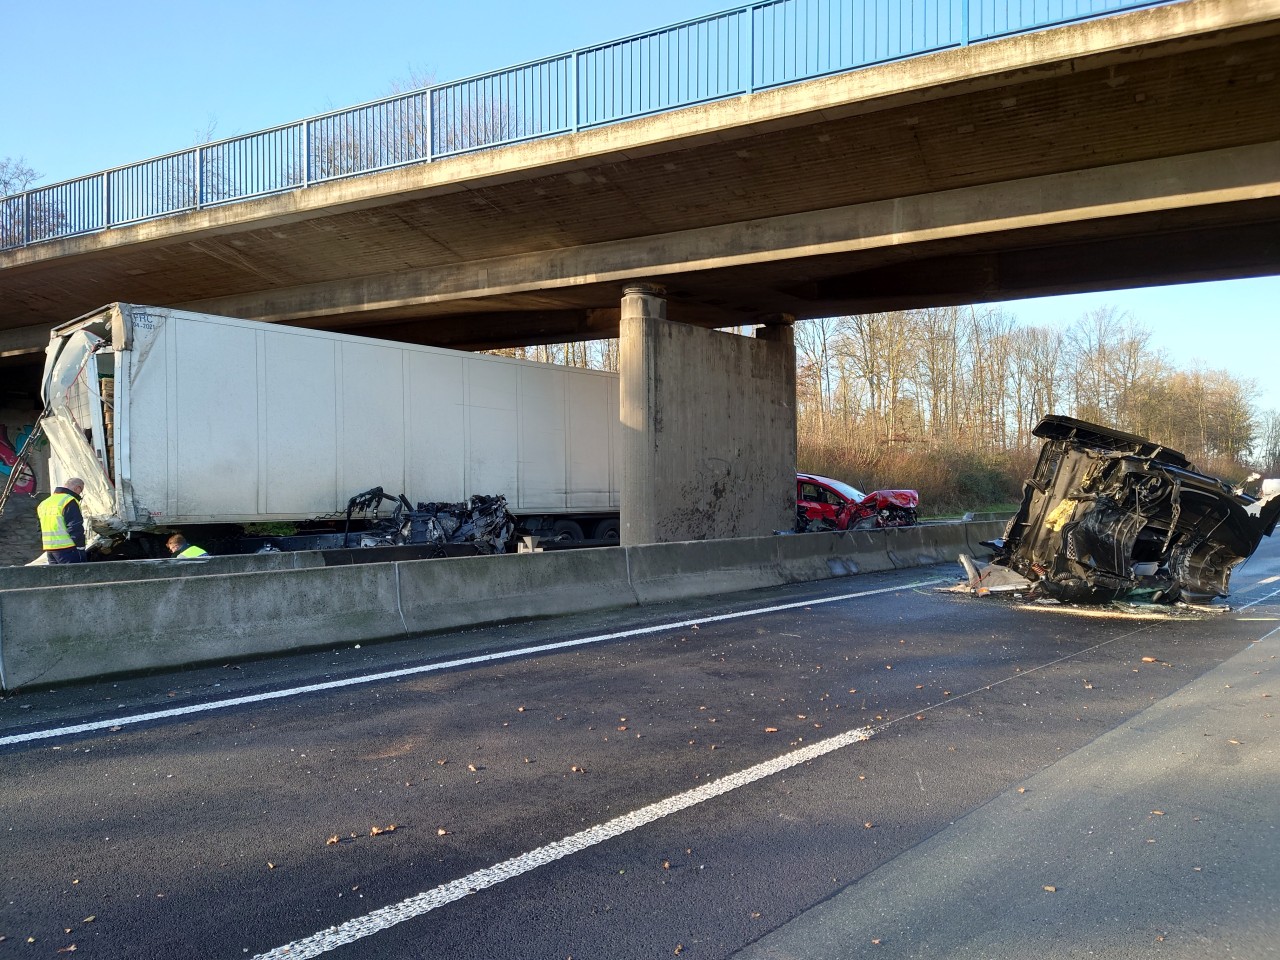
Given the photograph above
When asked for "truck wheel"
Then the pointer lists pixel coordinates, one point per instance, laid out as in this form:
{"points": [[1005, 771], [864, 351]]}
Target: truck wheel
{"points": [[567, 530], [609, 529]]}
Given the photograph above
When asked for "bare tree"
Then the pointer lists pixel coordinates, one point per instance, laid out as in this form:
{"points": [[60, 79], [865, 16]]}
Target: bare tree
{"points": [[1266, 444], [15, 177], [815, 369], [939, 374]]}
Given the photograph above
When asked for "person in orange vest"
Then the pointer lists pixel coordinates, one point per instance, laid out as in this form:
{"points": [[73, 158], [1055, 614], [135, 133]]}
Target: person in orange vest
{"points": [[181, 550], [62, 523]]}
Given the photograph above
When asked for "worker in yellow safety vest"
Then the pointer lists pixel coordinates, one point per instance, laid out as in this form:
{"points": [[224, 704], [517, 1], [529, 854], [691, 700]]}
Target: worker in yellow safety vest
{"points": [[62, 523], [181, 550]]}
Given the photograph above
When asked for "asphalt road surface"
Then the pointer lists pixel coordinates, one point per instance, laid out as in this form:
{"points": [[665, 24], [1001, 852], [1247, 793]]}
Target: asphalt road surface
{"points": [[687, 780]]}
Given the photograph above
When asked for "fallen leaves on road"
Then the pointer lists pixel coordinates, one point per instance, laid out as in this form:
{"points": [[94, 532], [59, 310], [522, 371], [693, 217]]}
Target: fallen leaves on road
{"points": [[1157, 813], [1050, 888], [1150, 660], [770, 729], [868, 825], [332, 840], [376, 831], [441, 832]]}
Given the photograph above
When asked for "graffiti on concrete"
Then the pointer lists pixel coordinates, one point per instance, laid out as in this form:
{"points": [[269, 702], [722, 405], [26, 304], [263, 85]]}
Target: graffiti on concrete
{"points": [[9, 450]]}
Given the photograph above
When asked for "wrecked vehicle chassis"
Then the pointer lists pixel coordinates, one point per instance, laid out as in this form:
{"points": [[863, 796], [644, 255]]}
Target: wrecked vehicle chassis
{"points": [[1107, 514]]}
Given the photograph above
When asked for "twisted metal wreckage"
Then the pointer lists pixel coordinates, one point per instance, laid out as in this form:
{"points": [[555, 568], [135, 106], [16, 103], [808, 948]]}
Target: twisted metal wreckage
{"points": [[1108, 515], [480, 521]]}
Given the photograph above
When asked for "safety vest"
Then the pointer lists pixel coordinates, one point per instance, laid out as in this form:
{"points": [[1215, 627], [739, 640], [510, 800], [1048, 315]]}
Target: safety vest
{"points": [[53, 522], [193, 552]]}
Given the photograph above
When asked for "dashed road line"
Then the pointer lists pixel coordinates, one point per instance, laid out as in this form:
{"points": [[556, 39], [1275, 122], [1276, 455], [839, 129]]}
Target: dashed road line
{"points": [[422, 903], [1262, 599]]}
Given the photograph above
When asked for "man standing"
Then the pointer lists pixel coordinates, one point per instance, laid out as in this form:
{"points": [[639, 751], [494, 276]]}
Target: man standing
{"points": [[180, 549], [62, 523]]}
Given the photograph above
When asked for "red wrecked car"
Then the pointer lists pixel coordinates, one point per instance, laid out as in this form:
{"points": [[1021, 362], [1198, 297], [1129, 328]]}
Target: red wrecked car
{"points": [[826, 504]]}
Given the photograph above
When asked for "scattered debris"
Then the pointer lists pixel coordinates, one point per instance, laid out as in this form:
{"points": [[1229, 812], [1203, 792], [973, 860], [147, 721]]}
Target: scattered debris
{"points": [[1108, 515], [481, 521]]}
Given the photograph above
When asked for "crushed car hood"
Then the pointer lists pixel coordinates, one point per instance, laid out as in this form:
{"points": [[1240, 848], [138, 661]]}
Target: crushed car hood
{"points": [[1108, 514]]}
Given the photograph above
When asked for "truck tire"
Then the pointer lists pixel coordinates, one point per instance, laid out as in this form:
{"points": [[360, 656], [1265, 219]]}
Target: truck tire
{"points": [[609, 529], [566, 530]]}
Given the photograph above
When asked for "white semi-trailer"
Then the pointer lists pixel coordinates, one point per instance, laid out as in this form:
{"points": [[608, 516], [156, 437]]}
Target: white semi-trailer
{"points": [[175, 418]]}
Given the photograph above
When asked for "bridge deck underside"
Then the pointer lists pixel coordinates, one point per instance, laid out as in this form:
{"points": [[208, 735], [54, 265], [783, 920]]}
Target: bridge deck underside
{"points": [[1154, 163]]}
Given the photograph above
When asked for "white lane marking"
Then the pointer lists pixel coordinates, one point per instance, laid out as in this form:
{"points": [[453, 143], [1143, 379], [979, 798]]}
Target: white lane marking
{"points": [[1269, 580], [435, 667], [422, 903], [1263, 599], [419, 904]]}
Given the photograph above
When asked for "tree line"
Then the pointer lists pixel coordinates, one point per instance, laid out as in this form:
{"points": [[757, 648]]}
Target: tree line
{"points": [[943, 400]]}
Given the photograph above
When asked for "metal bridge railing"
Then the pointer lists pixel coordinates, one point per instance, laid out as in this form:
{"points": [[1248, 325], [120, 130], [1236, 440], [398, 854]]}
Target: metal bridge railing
{"points": [[749, 48]]}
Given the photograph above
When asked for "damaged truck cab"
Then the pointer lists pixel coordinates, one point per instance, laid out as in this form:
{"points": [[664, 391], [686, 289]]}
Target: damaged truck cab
{"points": [[1108, 514]]}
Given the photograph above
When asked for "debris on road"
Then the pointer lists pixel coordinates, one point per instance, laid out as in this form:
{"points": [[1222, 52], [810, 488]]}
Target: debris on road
{"points": [[1109, 515]]}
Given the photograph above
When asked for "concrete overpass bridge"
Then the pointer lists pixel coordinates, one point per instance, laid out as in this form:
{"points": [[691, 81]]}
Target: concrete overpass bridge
{"points": [[1132, 149]]}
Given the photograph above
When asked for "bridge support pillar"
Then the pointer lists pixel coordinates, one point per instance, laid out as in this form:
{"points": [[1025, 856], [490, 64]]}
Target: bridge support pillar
{"points": [[708, 426]]}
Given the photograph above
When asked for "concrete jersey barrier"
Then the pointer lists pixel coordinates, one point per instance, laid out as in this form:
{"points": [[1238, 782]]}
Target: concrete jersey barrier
{"points": [[66, 629]]}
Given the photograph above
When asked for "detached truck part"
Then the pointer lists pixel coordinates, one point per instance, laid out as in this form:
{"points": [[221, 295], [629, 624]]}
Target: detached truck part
{"points": [[176, 418]]}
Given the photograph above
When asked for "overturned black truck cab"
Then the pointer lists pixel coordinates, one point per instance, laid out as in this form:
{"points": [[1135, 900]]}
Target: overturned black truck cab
{"points": [[1110, 514]]}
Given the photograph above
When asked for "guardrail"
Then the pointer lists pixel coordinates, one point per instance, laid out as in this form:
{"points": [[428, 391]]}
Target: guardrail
{"points": [[749, 48], [166, 614]]}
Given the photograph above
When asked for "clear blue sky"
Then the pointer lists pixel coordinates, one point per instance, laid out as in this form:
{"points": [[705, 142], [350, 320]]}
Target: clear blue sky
{"points": [[90, 85]]}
